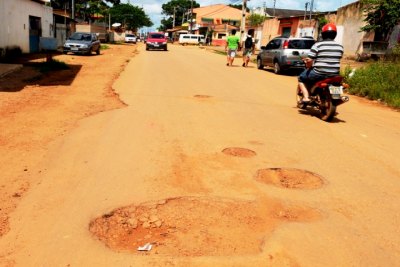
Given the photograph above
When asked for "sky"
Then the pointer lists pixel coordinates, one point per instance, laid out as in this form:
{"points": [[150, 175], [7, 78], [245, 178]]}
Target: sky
{"points": [[153, 7]]}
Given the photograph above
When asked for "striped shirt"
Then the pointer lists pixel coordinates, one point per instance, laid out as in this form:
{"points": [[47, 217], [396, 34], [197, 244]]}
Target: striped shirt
{"points": [[326, 56]]}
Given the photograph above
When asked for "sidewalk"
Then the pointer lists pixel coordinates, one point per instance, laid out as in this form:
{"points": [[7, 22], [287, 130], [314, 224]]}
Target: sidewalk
{"points": [[8, 68]]}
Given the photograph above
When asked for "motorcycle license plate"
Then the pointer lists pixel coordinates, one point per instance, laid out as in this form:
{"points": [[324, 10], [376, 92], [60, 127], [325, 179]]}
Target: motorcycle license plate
{"points": [[336, 91]]}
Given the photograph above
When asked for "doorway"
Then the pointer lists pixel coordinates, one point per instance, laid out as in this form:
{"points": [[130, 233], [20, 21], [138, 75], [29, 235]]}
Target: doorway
{"points": [[35, 32]]}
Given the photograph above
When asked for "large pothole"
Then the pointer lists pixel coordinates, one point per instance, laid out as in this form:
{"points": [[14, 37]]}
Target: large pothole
{"points": [[239, 152], [191, 226], [290, 178], [202, 96]]}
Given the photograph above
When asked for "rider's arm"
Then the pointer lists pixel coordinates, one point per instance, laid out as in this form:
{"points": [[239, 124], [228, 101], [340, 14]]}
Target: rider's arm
{"points": [[309, 62]]}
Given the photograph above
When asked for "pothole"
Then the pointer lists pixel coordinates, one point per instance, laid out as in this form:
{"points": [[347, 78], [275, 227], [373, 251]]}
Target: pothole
{"points": [[191, 226], [202, 96], [239, 152], [290, 178]]}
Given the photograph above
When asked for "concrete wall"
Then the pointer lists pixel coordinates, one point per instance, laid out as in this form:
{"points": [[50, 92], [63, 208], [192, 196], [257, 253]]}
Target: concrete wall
{"points": [[14, 22], [349, 21], [90, 28], [270, 30]]}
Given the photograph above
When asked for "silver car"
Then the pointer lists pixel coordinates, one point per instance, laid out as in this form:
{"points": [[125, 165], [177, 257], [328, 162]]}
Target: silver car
{"points": [[82, 43], [283, 53]]}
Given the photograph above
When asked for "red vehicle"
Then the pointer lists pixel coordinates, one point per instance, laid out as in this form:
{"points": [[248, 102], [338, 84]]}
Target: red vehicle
{"points": [[156, 40]]}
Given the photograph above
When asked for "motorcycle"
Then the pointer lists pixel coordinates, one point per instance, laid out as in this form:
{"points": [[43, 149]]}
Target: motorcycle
{"points": [[325, 96]]}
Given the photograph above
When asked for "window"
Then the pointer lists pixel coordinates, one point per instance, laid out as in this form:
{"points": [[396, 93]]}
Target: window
{"points": [[221, 35], [301, 44]]}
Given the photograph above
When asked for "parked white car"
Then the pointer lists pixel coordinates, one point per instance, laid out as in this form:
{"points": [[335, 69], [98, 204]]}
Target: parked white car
{"points": [[130, 38], [191, 39]]}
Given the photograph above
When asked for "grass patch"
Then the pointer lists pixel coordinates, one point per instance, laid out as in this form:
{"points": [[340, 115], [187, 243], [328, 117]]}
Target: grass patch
{"points": [[52, 65], [378, 81], [104, 47]]}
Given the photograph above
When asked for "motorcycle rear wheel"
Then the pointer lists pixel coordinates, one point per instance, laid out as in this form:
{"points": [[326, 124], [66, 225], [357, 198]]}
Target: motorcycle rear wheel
{"points": [[326, 107]]}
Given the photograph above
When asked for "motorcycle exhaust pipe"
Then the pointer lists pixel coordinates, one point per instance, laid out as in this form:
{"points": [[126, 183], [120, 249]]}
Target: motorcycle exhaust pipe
{"points": [[343, 99]]}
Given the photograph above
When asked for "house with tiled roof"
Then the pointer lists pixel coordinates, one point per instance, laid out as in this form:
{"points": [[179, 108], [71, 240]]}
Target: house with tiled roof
{"points": [[216, 20]]}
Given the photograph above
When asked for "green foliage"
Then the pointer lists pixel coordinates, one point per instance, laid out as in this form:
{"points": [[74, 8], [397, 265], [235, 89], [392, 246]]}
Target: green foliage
{"points": [[180, 8], [239, 6], [379, 81], [381, 16], [104, 47], [345, 73], [255, 19], [86, 8], [131, 17], [322, 21]]}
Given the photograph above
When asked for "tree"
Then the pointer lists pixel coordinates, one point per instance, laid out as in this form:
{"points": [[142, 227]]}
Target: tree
{"points": [[84, 9], [180, 7], [255, 19], [381, 17], [131, 17], [239, 7]]}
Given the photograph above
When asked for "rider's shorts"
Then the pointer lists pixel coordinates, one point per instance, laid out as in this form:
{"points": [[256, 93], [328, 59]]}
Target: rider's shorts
{"points": [[309, 76]]}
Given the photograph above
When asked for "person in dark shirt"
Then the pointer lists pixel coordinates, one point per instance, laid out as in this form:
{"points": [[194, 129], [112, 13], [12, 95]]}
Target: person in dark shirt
{"points": [[323, 60]]}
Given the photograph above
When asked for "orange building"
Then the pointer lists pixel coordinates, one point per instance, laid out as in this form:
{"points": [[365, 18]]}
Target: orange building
{"points": [[216, 20]]}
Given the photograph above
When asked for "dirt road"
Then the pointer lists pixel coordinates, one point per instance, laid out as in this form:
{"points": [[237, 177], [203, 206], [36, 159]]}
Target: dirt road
{"points": [[213, 166]]}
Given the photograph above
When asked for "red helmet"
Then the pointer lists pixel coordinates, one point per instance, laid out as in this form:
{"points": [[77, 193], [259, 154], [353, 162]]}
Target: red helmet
{"points": [[329, 31], [329, 27]]}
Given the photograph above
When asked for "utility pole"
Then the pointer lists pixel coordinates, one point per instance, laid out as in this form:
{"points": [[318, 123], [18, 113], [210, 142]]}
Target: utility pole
{"points": [[173, 21], [73, 16], [311, 8], [274, 7], [305, 11], [191, 16], [243, 23]]}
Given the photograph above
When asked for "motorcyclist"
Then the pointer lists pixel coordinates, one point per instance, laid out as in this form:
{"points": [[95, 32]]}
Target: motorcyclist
{"points": [[323, 60]]}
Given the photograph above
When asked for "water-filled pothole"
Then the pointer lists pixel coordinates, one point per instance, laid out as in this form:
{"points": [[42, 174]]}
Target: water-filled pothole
{"points": [[192, 226], [290, 178], [239, 152]]}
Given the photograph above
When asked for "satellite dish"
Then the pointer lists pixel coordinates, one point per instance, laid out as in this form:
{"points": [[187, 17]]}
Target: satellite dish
{"points": [[117, 24]]}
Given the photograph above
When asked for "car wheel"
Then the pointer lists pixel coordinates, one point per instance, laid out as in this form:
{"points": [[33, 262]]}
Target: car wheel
{"points": [[65, 52], [260, 66], [277, 68], [165, 49], [98, 51]]}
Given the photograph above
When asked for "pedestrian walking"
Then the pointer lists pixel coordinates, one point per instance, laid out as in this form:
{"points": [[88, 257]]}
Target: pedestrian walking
{"points": [[248, 50], [231, 47]]}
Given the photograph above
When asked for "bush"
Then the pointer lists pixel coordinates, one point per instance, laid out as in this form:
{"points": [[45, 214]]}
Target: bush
{"points": [[378, 81]]}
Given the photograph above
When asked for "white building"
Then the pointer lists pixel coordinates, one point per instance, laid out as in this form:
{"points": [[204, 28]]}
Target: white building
{"points": [[23, 22]]}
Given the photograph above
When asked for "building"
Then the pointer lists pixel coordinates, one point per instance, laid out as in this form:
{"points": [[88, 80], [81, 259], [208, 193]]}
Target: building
{"points": [[23, 22], [216, 21]]}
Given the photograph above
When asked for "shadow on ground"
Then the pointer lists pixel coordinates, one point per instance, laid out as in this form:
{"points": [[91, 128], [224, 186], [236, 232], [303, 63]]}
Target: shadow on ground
{"points": [[36, 71]]}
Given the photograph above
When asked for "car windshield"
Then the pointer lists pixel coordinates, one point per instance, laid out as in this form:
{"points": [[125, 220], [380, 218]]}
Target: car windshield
{"points": [[80, 36], [130, 35], [156, 36], [301, 44]]}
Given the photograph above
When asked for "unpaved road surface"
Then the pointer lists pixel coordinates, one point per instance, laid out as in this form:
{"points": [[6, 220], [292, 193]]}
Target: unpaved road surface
{"points": [[212, 166]]}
